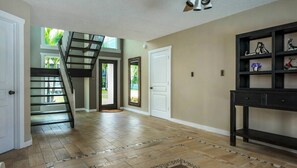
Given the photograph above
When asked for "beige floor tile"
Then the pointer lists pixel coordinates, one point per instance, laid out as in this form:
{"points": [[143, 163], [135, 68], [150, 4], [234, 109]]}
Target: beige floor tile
{"points": [[124, 140], [36, 159]]}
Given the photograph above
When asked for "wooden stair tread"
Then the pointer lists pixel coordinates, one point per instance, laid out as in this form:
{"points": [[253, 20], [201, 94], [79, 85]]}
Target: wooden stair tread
{"points": [[47, 104], [46, 81], [51, 122], [84, 49], [79, 63], [86, 41], [80, 56], [49, 95], [47, 87], [49, 112]]}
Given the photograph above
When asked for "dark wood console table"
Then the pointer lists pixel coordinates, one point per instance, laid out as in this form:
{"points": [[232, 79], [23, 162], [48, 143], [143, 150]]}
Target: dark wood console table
{"points": [[281, 100]]}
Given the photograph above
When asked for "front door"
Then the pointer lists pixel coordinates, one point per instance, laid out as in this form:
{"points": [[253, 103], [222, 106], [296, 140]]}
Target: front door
{"points": [[107, 84], [6, 87], [160, 67]]}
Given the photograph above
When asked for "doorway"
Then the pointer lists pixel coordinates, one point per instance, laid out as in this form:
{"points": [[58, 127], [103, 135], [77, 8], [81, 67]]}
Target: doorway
{"points": [[11, 82], [108, 76], [160, 82], [6, 87]]}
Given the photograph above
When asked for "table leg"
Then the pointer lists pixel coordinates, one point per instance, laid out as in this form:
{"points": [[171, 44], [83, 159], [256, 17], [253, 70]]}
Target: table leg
{"points": [[246, 121], [232, 121]]}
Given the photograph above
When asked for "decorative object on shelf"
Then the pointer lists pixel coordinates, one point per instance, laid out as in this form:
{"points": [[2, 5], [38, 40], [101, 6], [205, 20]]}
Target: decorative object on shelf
{"points": [[261, 49], [256, 66], [290, 45], [248, 54], [289, 64]]}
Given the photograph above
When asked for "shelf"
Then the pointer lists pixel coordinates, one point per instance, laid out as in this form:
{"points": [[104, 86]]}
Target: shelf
{"points": [[272, 87], [275, 139], [255, 73], [287, 53], [286, 71], [258, 56]]}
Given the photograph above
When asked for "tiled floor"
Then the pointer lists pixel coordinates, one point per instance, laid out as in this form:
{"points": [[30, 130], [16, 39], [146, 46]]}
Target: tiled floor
{"points": [[125, 140]]}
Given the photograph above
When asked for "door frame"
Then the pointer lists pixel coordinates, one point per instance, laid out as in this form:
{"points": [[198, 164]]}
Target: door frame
{"points": [[118, 79], [19, 80], [168, 48]]}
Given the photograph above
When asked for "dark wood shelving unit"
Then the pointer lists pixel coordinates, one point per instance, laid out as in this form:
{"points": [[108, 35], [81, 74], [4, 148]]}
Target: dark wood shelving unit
{"points": [[276, 96], [286, 71], [287, 53], [255, 73], [258, 56], [274, 139]]}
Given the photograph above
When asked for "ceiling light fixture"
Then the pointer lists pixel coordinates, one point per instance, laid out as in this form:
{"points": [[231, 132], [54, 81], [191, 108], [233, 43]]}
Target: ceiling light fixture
{"points": [[197, 5]]}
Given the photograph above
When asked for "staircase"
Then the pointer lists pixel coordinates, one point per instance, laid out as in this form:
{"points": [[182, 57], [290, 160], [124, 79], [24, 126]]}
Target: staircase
{"points": [[49, 101], [81, 52], [52, 89]]}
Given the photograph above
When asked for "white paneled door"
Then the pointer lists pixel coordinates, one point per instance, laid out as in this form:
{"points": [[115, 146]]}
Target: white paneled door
{"points": [[160, 81], [6, 87]]}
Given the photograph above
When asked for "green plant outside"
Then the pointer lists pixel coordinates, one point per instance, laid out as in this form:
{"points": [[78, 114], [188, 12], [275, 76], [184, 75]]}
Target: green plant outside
{"points": [[52, 36]]}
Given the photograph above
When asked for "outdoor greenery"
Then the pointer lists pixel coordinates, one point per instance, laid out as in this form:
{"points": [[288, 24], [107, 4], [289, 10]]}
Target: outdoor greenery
{"points": [[134, 77], [110, 42], [52, 36], [134, 83], [52, 62]]}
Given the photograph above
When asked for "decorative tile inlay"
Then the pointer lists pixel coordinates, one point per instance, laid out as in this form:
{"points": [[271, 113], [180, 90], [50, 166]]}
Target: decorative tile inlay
{"points": [[51, 164], [176, 163], [169, 164]]}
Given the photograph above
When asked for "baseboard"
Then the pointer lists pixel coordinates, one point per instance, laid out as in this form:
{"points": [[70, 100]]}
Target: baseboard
{"points": [[226, 133], [135, 111], [210, 129], [80, 109], [202, 127], [27, 143], [2, 165], [91, 110]]}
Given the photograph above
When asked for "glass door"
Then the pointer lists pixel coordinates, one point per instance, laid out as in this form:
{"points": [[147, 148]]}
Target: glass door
{"points": [[107, 84]]}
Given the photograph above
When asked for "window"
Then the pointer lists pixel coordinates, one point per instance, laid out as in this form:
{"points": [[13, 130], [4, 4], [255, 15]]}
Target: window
{"points": [[51, 61], [111, 44], [50, 37]]}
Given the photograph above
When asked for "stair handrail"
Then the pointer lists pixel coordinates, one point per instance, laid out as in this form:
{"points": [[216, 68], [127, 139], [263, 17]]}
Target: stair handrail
{"points": [[68, 45], [64, 63]]}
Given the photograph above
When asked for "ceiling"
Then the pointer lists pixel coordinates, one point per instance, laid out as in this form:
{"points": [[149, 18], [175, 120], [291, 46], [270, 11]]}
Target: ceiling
{"points": [[142, 20]]}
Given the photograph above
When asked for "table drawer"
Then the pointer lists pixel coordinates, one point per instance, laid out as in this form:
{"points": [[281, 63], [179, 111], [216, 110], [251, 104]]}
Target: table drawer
{"points": [[285, 100], [248, 99]]}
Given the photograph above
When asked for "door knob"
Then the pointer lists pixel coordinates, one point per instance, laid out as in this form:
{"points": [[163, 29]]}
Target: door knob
{"points": [[151, 88], [11, 92]]}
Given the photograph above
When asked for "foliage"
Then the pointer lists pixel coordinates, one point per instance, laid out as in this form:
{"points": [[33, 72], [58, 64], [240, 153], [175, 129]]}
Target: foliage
{"points": [[52, 62], [110, 42], [52, 36], [134, 76]]}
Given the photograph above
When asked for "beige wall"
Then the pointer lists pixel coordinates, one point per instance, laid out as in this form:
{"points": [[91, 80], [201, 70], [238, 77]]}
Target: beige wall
{"points": [[135, 49], [22, 10], [205, 50]]}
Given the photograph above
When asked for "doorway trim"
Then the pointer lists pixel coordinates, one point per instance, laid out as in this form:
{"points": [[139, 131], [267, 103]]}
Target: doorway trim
{"points": [[168, 48], [118, 79], [19, 80]]}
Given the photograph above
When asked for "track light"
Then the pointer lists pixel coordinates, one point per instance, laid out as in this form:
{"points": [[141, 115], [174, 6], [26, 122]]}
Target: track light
{"points": [[197, 5], [189, 5], [207, 4]]}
